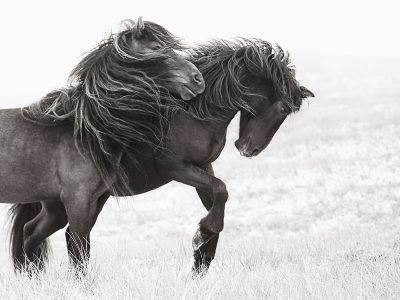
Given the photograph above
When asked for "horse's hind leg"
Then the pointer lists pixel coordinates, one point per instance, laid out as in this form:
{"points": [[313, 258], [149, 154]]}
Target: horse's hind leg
{"points": [[206, 252], [100, 203], [51, 218]]}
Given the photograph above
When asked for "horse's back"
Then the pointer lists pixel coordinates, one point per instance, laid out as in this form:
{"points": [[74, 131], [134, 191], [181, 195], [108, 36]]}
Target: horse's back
{"points": [[29, 158]]}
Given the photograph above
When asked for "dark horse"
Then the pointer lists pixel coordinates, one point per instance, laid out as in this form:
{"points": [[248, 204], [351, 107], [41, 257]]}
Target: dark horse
{"points": [[248, 76], [72, 163]]}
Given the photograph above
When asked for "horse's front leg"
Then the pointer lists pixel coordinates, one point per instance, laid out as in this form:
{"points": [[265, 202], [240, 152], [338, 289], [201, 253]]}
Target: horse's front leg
{"points": [[84, 195], [81, 208], [99, 206], [213, 222], [206, 252]]}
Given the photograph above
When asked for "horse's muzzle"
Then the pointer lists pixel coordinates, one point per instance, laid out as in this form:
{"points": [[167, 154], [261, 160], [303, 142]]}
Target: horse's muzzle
{"points": [[245, 148]]}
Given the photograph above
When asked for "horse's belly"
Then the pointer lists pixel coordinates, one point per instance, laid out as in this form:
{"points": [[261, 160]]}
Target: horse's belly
{"points": [[28, 164]]}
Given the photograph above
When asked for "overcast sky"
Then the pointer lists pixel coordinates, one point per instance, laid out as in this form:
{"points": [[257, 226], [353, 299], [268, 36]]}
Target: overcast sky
{"points": [[41, 41]]}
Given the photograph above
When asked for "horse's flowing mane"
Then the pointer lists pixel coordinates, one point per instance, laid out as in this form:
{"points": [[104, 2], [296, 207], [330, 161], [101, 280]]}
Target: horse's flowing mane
{"points": [[225, 65], [115, 99]]}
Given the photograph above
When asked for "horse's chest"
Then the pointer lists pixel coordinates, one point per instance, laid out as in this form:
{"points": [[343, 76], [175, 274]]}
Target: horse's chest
{"points": [[205, 148], [199, 142]]}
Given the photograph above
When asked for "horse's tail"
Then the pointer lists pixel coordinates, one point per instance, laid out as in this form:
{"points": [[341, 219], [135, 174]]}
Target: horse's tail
{"points": [[20, 214]]}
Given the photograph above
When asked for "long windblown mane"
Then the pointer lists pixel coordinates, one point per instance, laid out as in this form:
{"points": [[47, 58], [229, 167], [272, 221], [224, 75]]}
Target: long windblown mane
{"points": [[115, 99], [224, 65]]}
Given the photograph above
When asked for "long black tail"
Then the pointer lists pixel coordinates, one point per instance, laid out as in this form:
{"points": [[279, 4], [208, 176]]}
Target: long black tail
{"points": [[20, 214]]}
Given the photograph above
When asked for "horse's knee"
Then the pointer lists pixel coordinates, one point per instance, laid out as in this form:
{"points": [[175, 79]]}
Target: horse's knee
{"points": [[220, 192]]}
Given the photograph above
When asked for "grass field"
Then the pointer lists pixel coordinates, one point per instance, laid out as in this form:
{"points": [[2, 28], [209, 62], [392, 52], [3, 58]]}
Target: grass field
{"points": [[315, 216]]}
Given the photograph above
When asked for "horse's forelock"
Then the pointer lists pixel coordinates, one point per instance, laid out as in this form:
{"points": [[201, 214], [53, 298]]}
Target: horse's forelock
{"points": [[162, 35], [276, 66], [152, 32], [138, 28]]}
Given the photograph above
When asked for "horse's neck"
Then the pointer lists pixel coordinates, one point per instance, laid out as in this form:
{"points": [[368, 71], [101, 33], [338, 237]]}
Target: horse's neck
{"points": [[222, 121]]}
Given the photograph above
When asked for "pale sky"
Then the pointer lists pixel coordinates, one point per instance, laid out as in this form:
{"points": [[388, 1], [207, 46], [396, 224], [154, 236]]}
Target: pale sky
{"points": [[41, 41]]}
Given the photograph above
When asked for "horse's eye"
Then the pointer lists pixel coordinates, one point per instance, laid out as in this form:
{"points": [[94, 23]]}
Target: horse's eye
{"points": [[156, 47], [284, 111]]}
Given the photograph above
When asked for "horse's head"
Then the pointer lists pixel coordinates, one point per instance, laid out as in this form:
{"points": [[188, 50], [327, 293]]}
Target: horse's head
{"points": [[250, 76], [272, 93], [258, 126], [155, 45]]}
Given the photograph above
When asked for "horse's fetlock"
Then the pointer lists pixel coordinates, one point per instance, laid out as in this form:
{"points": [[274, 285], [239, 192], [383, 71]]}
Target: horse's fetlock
{"points": [[210, 223]]}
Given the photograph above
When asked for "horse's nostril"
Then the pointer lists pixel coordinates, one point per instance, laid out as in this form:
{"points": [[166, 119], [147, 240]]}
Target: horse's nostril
{"points": [[255, 152], [197, 78]]}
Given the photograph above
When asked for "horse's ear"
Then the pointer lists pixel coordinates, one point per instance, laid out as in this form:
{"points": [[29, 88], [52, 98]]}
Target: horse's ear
{"points": [[305, 92], [138, 28]]}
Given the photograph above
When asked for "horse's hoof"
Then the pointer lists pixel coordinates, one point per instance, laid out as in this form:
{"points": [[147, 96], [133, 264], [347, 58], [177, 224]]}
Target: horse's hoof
{"points": [[201, 237]]}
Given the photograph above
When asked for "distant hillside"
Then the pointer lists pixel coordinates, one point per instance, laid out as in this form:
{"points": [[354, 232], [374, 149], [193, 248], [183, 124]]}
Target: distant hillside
{"points": [[348, 76], [346, 65]]}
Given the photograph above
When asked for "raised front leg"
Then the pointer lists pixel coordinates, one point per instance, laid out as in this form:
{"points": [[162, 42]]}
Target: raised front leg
{"points": [[213, 222], [206, 252]]}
